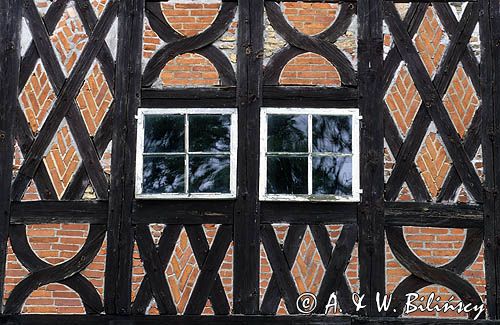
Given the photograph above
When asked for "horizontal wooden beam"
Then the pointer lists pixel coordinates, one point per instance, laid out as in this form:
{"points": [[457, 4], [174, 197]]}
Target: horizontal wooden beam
{"points": [[36, 212], [340, 1], [221, 212], [287, 96], [189, 97], [308, 212], [293, 96], [258, 320], [433, 215], [183, 211]]}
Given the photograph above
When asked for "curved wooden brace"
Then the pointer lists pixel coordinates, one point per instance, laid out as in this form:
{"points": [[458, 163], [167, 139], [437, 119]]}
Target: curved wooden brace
{"points": [[320, 44], [424, 275], [189, 44], [66, 273]]}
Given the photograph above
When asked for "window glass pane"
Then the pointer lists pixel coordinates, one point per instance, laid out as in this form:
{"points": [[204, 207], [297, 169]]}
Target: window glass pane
{"points": [[209, 133], [287, 175], [209, 174], [163, 174], [332, 134], [332, 175], [287, 133], [164, 133]]}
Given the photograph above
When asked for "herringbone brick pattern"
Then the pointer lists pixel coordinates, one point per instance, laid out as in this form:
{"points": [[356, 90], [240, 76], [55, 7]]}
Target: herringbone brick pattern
{"points": [[182, 271], [403, 100], [433, 162], [62, 159], [461, 101], [56, 243], [94, 99], [98, 6], [37, 98], [69, 38], [308, 270], [430, 41]]}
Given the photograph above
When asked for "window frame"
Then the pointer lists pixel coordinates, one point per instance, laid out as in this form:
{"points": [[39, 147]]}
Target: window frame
{"points": [[356, 191], [233, 149]]}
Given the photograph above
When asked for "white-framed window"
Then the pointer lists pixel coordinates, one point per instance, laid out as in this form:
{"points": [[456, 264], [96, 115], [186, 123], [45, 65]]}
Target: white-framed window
{"points": [[186, 153], [309, 154]]}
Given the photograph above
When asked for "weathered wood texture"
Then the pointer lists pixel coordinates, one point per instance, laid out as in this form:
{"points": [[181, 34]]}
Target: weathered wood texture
{"points": [[10, 55], [371, 208], [247, 208], [120, 232], [246, 221], [490, 135]]}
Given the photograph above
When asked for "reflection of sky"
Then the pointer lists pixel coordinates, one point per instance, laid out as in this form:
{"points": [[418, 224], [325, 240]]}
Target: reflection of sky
{"points": [[287, 133], [159, 177], [204, 174], [332, 134], [333, 175]]}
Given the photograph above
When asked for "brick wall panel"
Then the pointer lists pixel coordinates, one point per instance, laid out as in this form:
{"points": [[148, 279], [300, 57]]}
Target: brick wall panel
{"points": [[188, 70], [94, 98], [310, 69], [461, 101], [431, 41], [62, 159], [37, 97], [433, 162], [69, 38]]}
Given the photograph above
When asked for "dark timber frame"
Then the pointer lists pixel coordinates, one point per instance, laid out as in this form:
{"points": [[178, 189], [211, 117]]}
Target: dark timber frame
{"points": [[245, 221]]}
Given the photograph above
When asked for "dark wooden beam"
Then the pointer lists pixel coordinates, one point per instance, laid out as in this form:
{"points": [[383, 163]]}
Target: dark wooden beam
{"points": [[189, 97], [308, 212], [290, 96], [117, 285], [490, 133], [371, 210], [433, 215], [183, 212], [246, 217], [10, 56], [36, 212]]}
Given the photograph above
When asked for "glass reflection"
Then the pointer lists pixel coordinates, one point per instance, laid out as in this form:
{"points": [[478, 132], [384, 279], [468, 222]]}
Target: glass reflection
{"points": [[332, 134], [209, 133], [287, 133], [163, 175], [164, 133], [332, 175], [287, 175], [209, 174]]}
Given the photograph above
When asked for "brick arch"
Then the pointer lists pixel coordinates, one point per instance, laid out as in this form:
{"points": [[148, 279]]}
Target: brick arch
{"points": [[190, 18], [310, 18], [53, 298], [310, 69], [189, 70], [435, 246], [56, 243]]}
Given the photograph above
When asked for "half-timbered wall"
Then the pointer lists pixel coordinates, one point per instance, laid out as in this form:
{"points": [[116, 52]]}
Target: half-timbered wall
{"points": [[74, 240]]}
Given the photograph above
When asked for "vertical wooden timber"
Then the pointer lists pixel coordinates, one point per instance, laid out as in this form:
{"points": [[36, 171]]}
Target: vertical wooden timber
{"points": [[490, 81], [117, 288], [371, 208], [246, 216], [10, 54]]}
